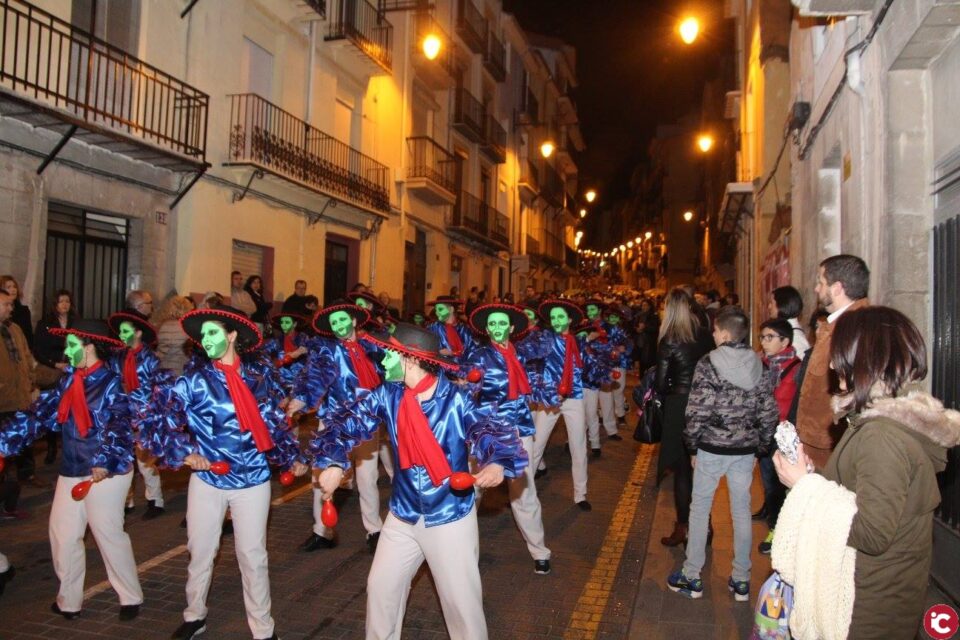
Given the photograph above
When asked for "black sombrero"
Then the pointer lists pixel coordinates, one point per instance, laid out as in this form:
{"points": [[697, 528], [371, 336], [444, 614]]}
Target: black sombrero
{"points": [[448, 300], [138, 320], [95, 330], [291, 310], [478, 319], [249, 336], [597, 302], [410, 340], [576, 313], [376, 307], [321, 321]]}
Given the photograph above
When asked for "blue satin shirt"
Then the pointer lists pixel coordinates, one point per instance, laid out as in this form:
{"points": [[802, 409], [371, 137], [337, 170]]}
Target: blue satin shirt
{"points": [[618, 337], [494, 386], [598, 362], [462, 429], [200, 402], [289, 374], [149, 374], [329, 382], [466, 337], [556, 349], [109, 441]]}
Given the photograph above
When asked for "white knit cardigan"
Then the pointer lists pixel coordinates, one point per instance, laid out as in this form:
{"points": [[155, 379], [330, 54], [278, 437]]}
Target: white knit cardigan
{"points": [[810, 551]]}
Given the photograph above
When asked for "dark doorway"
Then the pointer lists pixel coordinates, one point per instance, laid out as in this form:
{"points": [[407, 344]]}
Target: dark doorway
{"points": [[415, 274], [335, 271]]}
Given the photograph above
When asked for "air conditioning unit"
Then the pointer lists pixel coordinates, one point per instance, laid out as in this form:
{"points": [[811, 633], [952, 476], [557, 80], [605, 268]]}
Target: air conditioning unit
{"points": [[834, 7]]}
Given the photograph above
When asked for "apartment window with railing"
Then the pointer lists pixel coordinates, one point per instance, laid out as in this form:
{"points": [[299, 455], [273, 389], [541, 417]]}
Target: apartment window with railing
{"points": [[117, 21]]}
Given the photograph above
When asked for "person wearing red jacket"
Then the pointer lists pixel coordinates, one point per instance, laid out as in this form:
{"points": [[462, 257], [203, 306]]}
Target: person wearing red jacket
{"points": [[782, 364]]}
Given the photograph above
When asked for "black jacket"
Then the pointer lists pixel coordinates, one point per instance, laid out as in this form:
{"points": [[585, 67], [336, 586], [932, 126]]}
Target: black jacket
{"points": [[676, 362]]}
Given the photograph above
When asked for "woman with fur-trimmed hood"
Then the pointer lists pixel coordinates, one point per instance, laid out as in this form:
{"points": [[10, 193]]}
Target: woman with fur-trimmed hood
{"points": [[894, 446]]}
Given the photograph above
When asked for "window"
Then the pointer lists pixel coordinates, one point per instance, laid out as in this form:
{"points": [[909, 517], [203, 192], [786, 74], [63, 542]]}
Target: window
{"points": [[256, 65], [117, 21]]}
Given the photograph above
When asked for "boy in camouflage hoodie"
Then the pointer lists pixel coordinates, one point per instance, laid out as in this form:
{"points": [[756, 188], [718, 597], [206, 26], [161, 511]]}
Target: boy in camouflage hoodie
{"points": [[731, 417]]}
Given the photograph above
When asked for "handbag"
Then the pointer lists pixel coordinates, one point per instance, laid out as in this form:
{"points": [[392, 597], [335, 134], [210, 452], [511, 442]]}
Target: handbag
{"points": [[649, 428], [771, 620]]}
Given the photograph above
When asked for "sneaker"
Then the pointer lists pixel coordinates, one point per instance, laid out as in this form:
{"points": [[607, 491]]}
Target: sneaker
{"points": [[6, 577], [584, 505], [372, 540], [153, 511], [541, 567], [679, 583], [767, 545], [596, 452], [69, 615], [315, 542], [740, 589], [189, 630], [540, 473], [128, 509], [128, 612]]}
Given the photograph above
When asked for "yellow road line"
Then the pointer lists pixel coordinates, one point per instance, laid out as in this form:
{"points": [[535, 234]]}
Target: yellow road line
{"points": [[585, 620]]}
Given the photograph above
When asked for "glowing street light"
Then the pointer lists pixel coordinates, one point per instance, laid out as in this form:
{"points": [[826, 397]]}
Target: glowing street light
{"points": [[583, 213], [689, 29], [705, 142], [648, 235], [638, 239], [688, 215], [623, 248], [590, 195], [546, 149], [431, 46], [630, 244]]}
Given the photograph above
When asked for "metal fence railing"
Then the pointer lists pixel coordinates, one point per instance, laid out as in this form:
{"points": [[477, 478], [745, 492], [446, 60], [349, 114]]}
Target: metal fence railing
{"points": [[365, 26], [431, 161], [471, 26], [495, 57], [473, 214], [469, 114]]}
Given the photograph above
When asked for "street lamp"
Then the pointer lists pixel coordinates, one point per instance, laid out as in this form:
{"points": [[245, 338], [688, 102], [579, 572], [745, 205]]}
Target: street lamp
{"points": [[546, 149], [630, 244], [638, 239], [590, 195], [705, 142], [583, 213], [688, 215], [689, 29], [431, 46], [648, 235]]}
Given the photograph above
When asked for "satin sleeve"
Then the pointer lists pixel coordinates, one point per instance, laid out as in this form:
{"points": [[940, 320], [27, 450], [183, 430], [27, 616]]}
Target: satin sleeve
{"points": [[493, 439], [23, 427], [345, 429], [163, 428], [598, 362], [286, 449], [319, 374], [115, 453]]}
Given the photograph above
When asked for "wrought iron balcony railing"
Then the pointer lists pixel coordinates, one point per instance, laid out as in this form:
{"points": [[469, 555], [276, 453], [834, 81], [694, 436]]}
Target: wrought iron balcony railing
{"points": [[530, 109], [441, 72], [267, 137], [469, 115], [481, 221], [495, 57], [551, 185], [471, 26], [51, 65], [495, 141], [367, 28], [320, 6], [431, 161], [549, 247]]}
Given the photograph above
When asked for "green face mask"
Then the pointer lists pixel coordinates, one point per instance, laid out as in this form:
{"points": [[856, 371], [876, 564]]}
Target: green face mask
{"points": [[341, 323], [362, 303], [559, 319], [418, 319], [498, 327], [593, 311], [213, 339], [531, 316], [128, 333], [286, 324], [613, 318], [392, 366], [443, 312], [74, 350]]}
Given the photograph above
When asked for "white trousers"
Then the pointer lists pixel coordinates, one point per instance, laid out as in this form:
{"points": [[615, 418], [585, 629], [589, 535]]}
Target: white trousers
{"points": [[4, 564], [452, 552], [366, 472], [206, 506], [526, 507], [152, 489], [619, 406], [592, 398], [102, 509], [573, 418]]}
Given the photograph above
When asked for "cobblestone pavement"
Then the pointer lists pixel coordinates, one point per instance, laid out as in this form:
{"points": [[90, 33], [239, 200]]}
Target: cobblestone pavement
{"points": [[597, 563]]}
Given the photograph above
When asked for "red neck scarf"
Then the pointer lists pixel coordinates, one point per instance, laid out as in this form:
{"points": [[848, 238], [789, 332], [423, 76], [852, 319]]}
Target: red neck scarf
{"points": [[245, 405], [517, 382], [453, 338], [74, 401], [416, 443], [288, 345], [131, 382], [571, 355], [366, 372]]}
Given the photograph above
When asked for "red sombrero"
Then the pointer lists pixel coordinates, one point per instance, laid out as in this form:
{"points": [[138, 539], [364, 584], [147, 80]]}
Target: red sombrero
{"points": [[95, 330], [415, 342], [138, 320], [249, 336], [321, 321]]}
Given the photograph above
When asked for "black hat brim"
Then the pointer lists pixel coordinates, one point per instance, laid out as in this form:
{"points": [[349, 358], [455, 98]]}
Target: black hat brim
{"points": [[321, 322], [576, 313], [480, 315], [149, 332], [387, 341], [250, 336]]}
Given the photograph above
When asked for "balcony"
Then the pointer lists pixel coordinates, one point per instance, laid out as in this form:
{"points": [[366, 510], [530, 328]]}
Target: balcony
{"points": [[430, 176], [533, 246], [441, 72], [529, 113], [495, 58], [494, 144], [478, 221], [368, 32], [552, 188], [529, 182], [264, 136], [471, 26], [469, 116], [318, 6], [55, 76], [549, 248]]}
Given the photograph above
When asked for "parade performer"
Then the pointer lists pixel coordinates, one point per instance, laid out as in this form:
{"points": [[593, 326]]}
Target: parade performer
{"points": [[378, 319], [596, 353], [231, 411], [89, 408], [434, 427], [288, 351], [563, 393], [342, 365], [456, 340], [140, 371], [623, 347], [504, 384]]}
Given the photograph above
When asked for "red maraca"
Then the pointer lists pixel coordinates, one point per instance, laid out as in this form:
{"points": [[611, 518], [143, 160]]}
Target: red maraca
{"points": [[615, 374], [461, 481], [328, 515], [287, 478], [220, 467], [475, 376], [81, 489]]}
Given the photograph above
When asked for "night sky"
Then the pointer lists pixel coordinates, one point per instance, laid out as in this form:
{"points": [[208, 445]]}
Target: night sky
{"points": [[634, 74]]}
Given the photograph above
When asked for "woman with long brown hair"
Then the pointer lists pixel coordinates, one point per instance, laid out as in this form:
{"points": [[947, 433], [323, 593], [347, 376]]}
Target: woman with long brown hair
{"points": [[683, 341]]}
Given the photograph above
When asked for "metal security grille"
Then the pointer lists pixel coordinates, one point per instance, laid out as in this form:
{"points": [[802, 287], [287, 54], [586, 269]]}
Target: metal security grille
{"points": [[87, 255], [946, 352]]}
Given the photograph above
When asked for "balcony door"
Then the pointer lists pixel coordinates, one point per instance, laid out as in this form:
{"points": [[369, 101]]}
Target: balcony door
{"points": [[415, 274], [341, 267]]}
